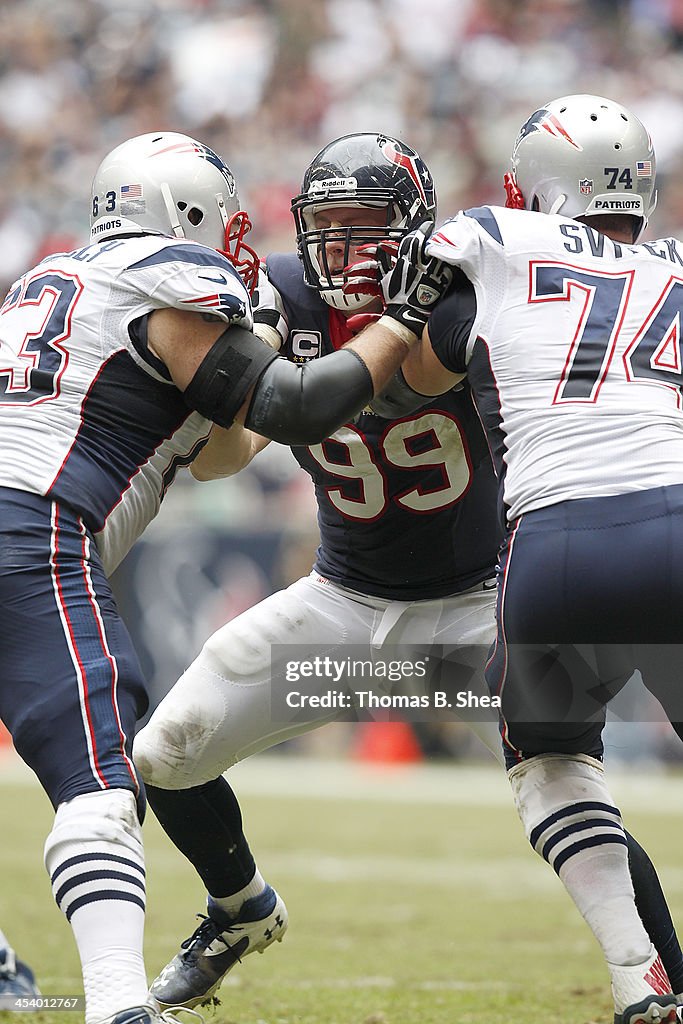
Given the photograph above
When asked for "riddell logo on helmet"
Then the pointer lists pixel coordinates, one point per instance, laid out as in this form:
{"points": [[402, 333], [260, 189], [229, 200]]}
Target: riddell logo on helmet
{"points": [[348, 184]]}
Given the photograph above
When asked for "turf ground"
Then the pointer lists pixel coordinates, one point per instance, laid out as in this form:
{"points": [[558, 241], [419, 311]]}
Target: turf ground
{"points": [[413, 898]]}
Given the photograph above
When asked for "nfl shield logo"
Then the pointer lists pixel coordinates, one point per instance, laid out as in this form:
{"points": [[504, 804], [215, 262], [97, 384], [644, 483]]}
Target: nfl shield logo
{"points": [[585, 186], [426, 295]]}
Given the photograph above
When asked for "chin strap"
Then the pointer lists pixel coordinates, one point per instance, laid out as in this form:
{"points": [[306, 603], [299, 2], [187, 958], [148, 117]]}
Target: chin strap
{"points": [[171, 210]]}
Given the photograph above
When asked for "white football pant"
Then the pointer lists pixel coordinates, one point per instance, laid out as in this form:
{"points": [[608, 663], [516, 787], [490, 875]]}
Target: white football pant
{"points": [[220, 712]]}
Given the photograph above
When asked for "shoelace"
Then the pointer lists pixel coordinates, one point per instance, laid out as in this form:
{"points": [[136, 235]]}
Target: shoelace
{"points": [[169, 1015], [208, 929], [207, 932]]}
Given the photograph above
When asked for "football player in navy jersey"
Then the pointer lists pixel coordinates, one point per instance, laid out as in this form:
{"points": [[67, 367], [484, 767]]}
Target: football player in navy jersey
{"points": [[115, 359], [408, 543], [569, 332]]}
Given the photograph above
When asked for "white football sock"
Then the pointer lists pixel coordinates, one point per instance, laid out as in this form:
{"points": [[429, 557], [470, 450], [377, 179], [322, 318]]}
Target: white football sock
{"points": [[232, 904], [571, 821], [95, 859]]}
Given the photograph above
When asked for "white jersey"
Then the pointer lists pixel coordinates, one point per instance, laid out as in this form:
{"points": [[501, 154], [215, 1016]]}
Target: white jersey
{"points": [[572, 344], [88, 415]]}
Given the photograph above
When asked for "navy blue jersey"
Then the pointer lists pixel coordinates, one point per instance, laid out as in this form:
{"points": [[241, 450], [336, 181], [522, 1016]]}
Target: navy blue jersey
{"points": [[406, 508]]}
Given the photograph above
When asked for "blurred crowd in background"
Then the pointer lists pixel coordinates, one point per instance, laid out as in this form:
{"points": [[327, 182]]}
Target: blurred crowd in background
{"points": [[268, 82]]}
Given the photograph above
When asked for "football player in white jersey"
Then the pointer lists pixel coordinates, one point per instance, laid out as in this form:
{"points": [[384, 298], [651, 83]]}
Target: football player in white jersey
{"points": [[114, 361], [393, 568], [569, 332]]}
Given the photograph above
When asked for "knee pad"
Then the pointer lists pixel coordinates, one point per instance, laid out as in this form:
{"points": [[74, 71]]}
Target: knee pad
{"points": [[565, 806], [169, 752]]}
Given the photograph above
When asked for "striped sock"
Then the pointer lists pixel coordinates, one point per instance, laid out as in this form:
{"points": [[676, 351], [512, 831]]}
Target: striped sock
{"points": [[571, 821], [95, 859]]}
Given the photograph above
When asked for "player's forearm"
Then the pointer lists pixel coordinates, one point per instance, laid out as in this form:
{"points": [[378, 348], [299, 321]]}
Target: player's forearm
{"points": [[227, 452], [424, 372], [240, 378], [305, 404], [382, 346]]}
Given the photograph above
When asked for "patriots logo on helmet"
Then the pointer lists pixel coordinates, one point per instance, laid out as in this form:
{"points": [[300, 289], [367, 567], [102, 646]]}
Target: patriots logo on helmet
{"points": [[543, 121], [197, 149], [392, 150]]}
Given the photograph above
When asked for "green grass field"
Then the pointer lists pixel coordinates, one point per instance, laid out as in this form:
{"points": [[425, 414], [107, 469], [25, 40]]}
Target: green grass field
{"points": [[413, 899]]}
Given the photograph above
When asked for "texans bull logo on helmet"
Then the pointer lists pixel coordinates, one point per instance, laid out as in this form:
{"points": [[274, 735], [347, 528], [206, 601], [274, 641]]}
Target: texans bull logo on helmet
{"points": [[396, 153]]}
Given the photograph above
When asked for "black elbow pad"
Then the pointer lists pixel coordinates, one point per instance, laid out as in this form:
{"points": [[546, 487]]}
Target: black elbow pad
{"points": [[305, 404], [226, 374], [398, 399]]}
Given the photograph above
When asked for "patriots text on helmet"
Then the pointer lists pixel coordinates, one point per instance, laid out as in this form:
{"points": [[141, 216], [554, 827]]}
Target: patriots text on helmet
{"points": [[106, 225], [617, 205]]}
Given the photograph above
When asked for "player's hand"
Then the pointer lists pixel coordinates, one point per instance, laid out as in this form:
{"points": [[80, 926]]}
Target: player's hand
{"points": [[415, 284], [359, 321], [411, 288], [365, 277]]}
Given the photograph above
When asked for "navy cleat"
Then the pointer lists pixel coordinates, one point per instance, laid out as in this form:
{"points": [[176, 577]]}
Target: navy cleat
{"points": [[651, 1010], [147, 1014], [134, 1015], [16, 977], [220, 942]]}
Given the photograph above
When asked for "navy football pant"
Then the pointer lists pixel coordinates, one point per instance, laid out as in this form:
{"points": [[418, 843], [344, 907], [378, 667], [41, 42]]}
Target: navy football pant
{"points": [[71, 688], [589, 591]]}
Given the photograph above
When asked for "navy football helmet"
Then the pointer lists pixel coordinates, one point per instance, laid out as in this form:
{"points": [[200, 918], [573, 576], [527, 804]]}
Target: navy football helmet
{"points": [[364, 170]]}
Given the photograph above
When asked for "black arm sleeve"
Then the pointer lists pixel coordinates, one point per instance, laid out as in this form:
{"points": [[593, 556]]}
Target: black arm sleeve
{"points": [[226, 373], [305, 404]]}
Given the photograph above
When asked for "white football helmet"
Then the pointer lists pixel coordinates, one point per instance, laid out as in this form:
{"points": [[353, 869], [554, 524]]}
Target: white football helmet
{"points": [[582, 156], [167, 183]]}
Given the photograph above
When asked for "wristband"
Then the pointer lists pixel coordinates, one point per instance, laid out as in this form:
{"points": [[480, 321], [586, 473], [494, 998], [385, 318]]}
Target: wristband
{"points": [[400, 330]]}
